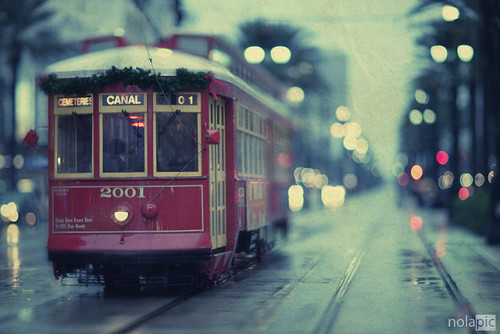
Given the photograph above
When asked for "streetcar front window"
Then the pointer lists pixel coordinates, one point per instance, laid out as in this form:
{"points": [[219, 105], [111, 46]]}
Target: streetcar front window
{"points": [[177, 142], [74, 144], [123, 140]]}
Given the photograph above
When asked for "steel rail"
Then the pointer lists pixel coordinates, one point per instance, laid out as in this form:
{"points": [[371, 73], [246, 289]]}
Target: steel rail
{"points": [[141, 320], [463, 305], [327, 320]]}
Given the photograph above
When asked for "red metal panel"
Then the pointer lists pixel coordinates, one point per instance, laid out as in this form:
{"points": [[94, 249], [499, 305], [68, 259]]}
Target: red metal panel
{"points": [[128, 242], [90, 209]]}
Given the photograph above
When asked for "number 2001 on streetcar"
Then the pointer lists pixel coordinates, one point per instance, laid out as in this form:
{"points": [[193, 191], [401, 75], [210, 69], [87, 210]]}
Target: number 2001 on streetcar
{"points": [[148, 182]]}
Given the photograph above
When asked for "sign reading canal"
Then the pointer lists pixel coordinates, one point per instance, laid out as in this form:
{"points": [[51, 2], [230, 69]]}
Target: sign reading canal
{"points": [[123, 99]]}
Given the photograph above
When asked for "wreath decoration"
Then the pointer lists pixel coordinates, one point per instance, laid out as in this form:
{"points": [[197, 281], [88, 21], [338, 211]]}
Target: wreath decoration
{"points": [[128, 76]]}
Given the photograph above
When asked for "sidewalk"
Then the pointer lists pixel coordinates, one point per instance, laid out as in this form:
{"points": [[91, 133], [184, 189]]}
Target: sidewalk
{"points": [[472, 263], [437, 221]]}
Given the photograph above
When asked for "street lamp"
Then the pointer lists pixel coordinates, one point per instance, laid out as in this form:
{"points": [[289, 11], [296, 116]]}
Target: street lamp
{"points": [[281, 54], [450, 13], [465, 53], [295, 95], [439, 53], [254, 54]]}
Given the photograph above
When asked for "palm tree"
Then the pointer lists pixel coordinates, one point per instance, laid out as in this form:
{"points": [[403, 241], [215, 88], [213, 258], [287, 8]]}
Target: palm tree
{"points": [[23, 26], [478, 26], [301, 70]]}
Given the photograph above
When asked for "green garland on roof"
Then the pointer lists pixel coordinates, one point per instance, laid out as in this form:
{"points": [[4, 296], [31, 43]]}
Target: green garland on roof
{"points": [[184, 80]]}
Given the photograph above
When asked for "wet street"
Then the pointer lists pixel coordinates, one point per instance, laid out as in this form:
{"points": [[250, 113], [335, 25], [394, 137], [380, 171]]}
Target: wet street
{"points": [[376, 265]]}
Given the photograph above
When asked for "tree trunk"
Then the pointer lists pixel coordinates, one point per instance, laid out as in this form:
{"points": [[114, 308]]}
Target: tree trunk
{"points": [[12, 149]]}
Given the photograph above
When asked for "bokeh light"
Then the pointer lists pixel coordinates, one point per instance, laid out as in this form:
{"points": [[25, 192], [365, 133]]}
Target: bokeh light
{"points": [[295, 94], [440, 248], [343, 114], [350, 143], [26, 185], [285, 159], [295, 198], [466, 180], [320, 180], [463, 193], [415, 117], [254, 54], [361, 146], [403, 179], [479, 179], [429, 116], [416, 172], [416, 223], [450, 13], [333, 196], [337, 130], [9, 212], [30, 218], [421, 97], [491, 175], [350, 181], [352, 129], [397, 168], [281, 54], [439, 53], [442, 158], [445, 181], [18, 161], [465, 53]]}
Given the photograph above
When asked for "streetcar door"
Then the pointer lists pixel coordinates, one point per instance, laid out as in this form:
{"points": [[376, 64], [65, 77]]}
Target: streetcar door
{"points": [[217, 175]]}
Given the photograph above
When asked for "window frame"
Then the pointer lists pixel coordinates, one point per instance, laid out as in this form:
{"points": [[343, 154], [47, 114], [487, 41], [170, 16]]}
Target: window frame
{"points": [[162, 108], [252, 139], [117, 109], [68, 111]]}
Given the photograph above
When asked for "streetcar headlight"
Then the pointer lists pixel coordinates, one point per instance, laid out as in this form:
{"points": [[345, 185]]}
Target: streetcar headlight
{"points": [[121, 216]]}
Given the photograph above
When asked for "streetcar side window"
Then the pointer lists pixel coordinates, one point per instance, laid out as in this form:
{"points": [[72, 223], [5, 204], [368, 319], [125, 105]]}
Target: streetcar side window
{"points": [[177, 136], [73, 136], [122, 134], [177, 142], [123, 142], [74, 144], [252, 137]]}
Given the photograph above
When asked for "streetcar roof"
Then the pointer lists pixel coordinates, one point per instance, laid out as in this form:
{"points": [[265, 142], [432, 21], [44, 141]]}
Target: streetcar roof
{"points": [[165, 62]]}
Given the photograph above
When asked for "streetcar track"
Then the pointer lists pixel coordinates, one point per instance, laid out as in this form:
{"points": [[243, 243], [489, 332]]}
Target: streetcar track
{"points": [[287, 291], [145, 318], [463, 305], [141, 320], [331, 311], [330, 314], [485, 259]]}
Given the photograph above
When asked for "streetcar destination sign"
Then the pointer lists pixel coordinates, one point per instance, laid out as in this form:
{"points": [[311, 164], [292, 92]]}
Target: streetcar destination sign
{"points": [[177, 99], [123, 99], [80, 101]]}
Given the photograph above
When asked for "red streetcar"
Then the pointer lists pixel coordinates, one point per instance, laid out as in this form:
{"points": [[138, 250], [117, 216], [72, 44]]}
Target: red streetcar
{"points": [[163, 166]]}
